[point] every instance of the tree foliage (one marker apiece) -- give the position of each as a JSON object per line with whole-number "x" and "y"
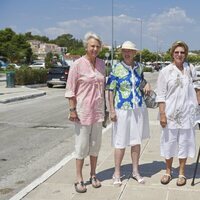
{"x": 48, "y": 60}
{"x": 14, "y": 46}
{"x": 29, "y": 36}
{"x": 72, "y": 44}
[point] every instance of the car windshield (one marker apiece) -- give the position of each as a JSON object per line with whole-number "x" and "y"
{"x": 38, "y": 63}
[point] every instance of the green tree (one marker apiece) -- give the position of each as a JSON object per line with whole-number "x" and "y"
{"x": 48, "y": 60}
{"x": 148, "y": 56}
{"x": 14, "y": 46}
{"x": 29, "y": 36}
{"x": 103, "y": 52}
{"x": 73, "y": 45}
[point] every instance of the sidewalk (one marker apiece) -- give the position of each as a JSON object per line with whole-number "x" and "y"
{"x": 17, "y": 93}
{"x": 60, "y": 185}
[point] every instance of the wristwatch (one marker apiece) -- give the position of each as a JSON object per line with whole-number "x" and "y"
{"x": 72, "y": 109}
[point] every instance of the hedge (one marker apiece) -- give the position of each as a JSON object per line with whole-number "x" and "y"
{"x": 27, "y": 76}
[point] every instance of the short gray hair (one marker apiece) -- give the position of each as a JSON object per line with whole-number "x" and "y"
{"x": 90, "y": 35}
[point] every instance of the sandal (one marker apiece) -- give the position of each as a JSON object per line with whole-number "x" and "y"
{"x": 117, "y": 181}
{"x": 95, "y": 182}
{"x": 181, "y": 180}
{"x": 138, "y": 178}
{"x": 80, "y": 187}
{"x": 166, "y": 178}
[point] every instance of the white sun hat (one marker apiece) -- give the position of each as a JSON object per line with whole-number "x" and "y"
{"x": 129, "y": 45}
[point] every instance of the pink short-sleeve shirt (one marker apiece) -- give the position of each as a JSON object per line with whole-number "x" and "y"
{"x": 87, "y": 86}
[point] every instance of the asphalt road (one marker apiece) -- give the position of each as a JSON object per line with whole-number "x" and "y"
{"x": 35, "y": 135}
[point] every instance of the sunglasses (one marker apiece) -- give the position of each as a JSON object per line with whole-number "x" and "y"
{"x": 179, "y": 52}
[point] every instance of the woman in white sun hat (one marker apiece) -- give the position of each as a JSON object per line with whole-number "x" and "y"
{"x": 128, "y": 111}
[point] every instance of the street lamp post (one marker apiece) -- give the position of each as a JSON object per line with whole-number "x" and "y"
{"x": 140, "y": 40}
{"x": 112, "y": 36}
{"x": 140, "y": 20}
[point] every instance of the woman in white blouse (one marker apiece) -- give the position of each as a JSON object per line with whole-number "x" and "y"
{"x": 178, "y": 108}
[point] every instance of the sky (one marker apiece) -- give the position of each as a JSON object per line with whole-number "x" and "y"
{"x": 150, "y": 24}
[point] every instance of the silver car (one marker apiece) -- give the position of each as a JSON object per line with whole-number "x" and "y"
{"x": 37, "y": 65}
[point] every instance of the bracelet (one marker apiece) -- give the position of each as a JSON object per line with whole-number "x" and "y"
{"x": 72, "y": 109}
{"x": 162, "y": 113}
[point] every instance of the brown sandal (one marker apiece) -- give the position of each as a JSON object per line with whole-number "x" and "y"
{"x": 166, "y": 178}
{"x": 80, "y": 187}
{"x": 181, "y": 180}
{"x": 95, "y": 182}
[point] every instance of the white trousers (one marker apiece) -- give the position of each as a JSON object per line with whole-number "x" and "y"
{"x": 87, "y": 140}
{"x": 177, "y": 143}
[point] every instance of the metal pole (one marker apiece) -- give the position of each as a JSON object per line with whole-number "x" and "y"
{"x": 140, "y": 20}
{"x": 112, "y": 36}
{"x": 140, "y": 40}
{"x": 196, "y": 166}
{"x": 157, "y": 51}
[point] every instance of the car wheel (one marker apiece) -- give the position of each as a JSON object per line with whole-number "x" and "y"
{"x": 49, "y": 85}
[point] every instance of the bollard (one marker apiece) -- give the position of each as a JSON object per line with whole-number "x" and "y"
{"x": 10, "y": 79}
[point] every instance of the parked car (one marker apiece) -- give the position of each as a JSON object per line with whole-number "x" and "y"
{"x": 14, "y": 65}
{"x": 3, "y": 64}
{"x": 57, "y": 76}
{"x": 197, "y": 70}
{"x": 37, "y": 65}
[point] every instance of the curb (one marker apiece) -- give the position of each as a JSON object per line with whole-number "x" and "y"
{"x": 22, "y": 97}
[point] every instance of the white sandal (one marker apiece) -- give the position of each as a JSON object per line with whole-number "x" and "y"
{"x": 138, "y": 178}
{"x": 117, "y": 180}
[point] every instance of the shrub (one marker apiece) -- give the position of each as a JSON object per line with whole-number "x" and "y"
{"x": 26, "y": 76}
{"x": 147, "y": 69}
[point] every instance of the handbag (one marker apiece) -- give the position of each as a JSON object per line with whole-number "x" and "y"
{"x": 150, "y": 98}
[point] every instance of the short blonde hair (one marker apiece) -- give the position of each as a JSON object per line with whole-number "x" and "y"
{"x": 179, "y": 44}
{"x": 90, "y": 35}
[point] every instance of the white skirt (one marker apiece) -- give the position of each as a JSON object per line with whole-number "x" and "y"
{"x": 131, "y": 128}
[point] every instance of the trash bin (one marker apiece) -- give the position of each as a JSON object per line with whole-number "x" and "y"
{"x": 10, "y": 79}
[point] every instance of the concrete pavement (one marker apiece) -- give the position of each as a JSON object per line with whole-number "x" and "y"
{"x": 60, "y": 185}
{"x": 57, "y": 184}
{"x": 17, "y": 93}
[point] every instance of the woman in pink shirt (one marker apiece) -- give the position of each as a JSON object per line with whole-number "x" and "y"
{"x": 85, "y": 91}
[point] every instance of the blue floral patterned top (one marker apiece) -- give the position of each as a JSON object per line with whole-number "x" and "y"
{"x": 125, "y": 81}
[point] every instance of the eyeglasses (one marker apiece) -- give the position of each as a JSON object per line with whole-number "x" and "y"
{"x": 179, "y": 52}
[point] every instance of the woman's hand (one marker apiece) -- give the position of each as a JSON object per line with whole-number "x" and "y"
{"x": 147, "y": 88}
{"x": 163, "y": 120}
{"x": 73, "y": 116}
{"x": 113, "y": 116}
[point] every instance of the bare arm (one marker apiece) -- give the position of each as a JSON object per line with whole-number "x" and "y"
{"x": 113, "y": 116}
{"x": 72, "y": 106}
{"x": 163, "y": 118}
{"x": 198, "y": 95}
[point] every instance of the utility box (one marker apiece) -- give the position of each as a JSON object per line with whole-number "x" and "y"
{"x": 10, "y": 79}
